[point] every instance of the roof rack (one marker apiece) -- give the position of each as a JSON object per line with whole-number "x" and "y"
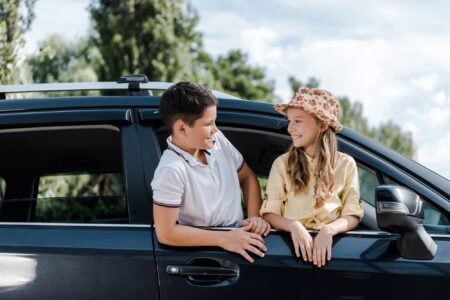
{"x": 136, "y": 84}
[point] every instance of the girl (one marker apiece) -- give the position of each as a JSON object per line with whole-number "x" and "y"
{"x": 312, "y": 186}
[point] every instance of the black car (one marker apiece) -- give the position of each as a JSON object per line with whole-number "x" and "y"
{"x": 76, "y": 208}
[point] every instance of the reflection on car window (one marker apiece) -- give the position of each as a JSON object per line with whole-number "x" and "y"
{"x": 2, "y": 188}
{"x": 93, "y": 198}
{"x": 368, "y": 181}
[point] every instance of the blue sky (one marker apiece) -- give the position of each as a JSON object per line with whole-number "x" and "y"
{"x": 393, "y": 56}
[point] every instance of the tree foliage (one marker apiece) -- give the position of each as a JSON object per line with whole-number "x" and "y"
{"x": 59, "y": 60}
{"x": 389, "y": 134}
{"x": 236, "y": 76}
{"x": 154, "y": 37}
{"x": 15, "y": 19}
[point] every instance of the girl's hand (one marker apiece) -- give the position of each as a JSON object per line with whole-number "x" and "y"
{"x": 242, "y": 242}
{"x": 322, "y": 246}
{"x": 256, "y": 225}
{"x": 302, "y": 240}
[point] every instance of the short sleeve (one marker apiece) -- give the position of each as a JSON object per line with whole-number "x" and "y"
{"x": 276, "y": 195}
{"x": 168, "y": 186}
{"x": 351, "y": 205}
{"x": 230, "y": 151}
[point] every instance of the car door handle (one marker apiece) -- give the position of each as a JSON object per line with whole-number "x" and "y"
{"x": 201, "y": 271}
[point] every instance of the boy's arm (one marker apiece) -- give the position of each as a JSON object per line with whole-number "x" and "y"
{"x": 170, "y": 233}
{"x": 252, "y": 197}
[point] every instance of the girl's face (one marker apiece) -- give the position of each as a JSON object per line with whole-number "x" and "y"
{"x": 304, "y": 129}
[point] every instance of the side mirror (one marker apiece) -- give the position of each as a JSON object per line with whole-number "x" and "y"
{"x": 399, "y": 210}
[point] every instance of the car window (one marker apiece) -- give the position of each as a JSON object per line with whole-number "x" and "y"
{"x": 2, "y": 188}
{"x": 96, "y": 198}
{"x": 63, "y": 174}
{"x": 368, "y": 181}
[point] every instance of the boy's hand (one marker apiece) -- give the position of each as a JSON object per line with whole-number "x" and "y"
{"x": 240, "y": 241}
{"x": 256, "y": 225}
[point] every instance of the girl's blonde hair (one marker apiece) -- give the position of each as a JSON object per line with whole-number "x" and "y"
{"x": 324, "y": 174}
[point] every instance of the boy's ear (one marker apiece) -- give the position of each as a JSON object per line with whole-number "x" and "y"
{"x": 179, "y": 127}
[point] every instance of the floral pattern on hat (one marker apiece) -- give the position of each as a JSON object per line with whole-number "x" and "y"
{"x": 318, "y": 102}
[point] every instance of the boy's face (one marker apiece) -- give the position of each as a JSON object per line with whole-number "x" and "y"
{"x": 200, "y": 135}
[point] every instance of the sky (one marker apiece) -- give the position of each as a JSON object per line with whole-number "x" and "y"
{"x": 392, "y": 56}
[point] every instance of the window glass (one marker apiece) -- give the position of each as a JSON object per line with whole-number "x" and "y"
{"x": 81, "y": 197}
{"x": 368, "y": 181}
{"x": 2, "y": 188}
{"x": 63, "y": 174}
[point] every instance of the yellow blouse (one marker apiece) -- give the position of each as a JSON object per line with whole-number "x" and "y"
{"x": 281, "y": 198}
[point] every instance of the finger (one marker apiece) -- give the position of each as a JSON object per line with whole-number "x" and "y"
{"x": 309, "y": 251}
{"x": 296, "y": 248}
{"x": 245, "y": 222}
{"x": 323, "y": 258}
{"x": 267, "y": 230}
{"x": 254, "y": 250}
{"x": 247, "y": 227}
{"x": 304, "y": 254}
{"x": 256, "y": 237}
{"x": 246, "y": 256}
{"x": 314, "y": 256}
{"x": 329, "y": 253}
{"x": 259, "y": 226}
{"x": 258, "y": 244}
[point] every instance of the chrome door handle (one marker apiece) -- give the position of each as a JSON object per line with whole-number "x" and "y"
{"x": 201, "y": 271}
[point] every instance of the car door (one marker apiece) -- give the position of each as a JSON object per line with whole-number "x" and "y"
{"x": 365, "y": 265}
{"x": 82, "y": 245}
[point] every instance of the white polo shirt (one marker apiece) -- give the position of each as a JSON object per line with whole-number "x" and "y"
{"x": 207, "y": 194}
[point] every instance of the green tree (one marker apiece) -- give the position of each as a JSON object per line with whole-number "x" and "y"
{"x": 236, "y": 76}
{"x": 389, "y": 134}
{"x": 154, "y": 37}
{"x": 15, "y": 19}
{"x": 296, "y": 84}
{"x": 59, "y": 60}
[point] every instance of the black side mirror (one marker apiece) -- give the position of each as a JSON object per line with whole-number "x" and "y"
{"x": 399, "y": 210}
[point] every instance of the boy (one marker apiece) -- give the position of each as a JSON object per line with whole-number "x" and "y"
{"x": 198, "y": 177}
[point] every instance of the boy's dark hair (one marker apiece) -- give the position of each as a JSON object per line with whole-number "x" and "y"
{"x": 186, "y": 101}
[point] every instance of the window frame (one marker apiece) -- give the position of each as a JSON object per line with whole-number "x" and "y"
{"x": 120, "y": 118}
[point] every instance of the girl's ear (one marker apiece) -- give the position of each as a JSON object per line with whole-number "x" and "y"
{"x": 323, "y": 127}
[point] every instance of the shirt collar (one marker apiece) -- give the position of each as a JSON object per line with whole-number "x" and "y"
{"x": 189, "y": 158}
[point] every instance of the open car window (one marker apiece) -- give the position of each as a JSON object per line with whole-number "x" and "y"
{"x": 63, "y": 174}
